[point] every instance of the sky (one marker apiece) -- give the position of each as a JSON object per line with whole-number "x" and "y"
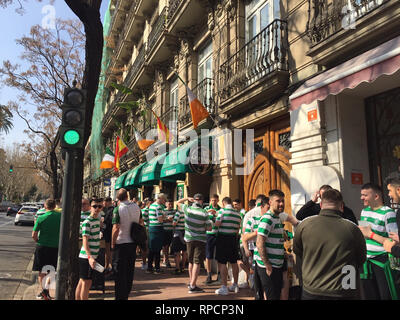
{"x": 13, "y": 26}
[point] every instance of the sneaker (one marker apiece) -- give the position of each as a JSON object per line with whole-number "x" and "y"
{"x": 243, "y": 285}
{"x": 234, "y": 288}
{"x": 168, "y": 264}
{"x": 44, "y": 295}
{"x": 223, "y": 291}
{"x": 149, "y": 271}
{"x": 158, "y": 271}
{"x": 177, "y": 272}
{"x": 209, "y": 280}
{"x": 195, "y": 289}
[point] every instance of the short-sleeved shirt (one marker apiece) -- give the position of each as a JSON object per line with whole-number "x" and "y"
{"x": 91, "y": 229}
{"x": 155, "y": 211}
{"x": 271, "y": 227}
{"x": 214, "y": 230}
{"x": 145, "y": 216}
{"x": 196, "y": 221}
{"x": 84, "y": 216}
{"x": 382, "y": 221}
{"x": 168, "y": 224}
{"x": 230, "y": 221}
{"x": 179, "y": 218}
{"x": 252, "y": 226}
{"x": 48, "y": 226}
{"x": 124, "y": 214}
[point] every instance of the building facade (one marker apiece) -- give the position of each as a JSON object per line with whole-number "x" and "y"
{"x": 279, "y": 68}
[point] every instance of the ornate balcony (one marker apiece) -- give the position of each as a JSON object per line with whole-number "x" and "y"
{"x": 136, "y": 66}
{"x": 204, "y": 92}
{"x": 341, "y": 29}
{"x": 260, "y": 67}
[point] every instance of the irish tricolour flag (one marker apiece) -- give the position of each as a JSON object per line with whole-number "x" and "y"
{"x": 108, "y": 160}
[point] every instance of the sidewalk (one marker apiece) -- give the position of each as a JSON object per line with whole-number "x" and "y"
{"x": 165, "y": 286}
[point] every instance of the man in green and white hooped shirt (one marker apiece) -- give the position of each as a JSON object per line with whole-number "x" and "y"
{"x": 244, "y": 260}
{"x": 169, "y": 214}
{"x": 382, "y": 220}
{"x": 228, "y": 223}
{"x": 197, "y": 221}
{"x": 156, "y": 233}
{"x": 269, "y": 251}
{"x": 178, "y": 246}
{"x": 212, "y": 209}
{"x": 85, "y": 213}
{"x": 90, "y": 249}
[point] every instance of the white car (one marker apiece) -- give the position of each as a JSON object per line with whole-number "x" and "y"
{"x": 25, "y": 215}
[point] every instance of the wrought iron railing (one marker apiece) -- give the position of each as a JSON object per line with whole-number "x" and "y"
{"x": 325, "y": 18}
{"x": 204, "y": 92}
{"x": 137, "y": 64}
{"x": 170, "y": 118}
{"x": 173, "y": 6}
{"x": 157, "y": 30}
{"x": 112, "y": 108}
{"x": 262, "y": 55}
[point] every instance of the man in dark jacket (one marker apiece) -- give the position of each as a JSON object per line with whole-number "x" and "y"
{"x": 312, "y": 208}
{"x": 107, "y": 230}
{"x": 332, "y": 250}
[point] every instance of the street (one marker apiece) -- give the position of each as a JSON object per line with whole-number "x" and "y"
{"x": 17, "y": 248}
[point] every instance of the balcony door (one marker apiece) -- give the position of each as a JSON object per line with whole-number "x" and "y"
{"x": 171, "y": 116}
{"x": 204, "y": 79}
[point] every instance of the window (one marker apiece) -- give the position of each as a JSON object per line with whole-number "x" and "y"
{"x": 204, "y": 80}
{"x": 173, "y": 105}
{"x": 259, "y": 14}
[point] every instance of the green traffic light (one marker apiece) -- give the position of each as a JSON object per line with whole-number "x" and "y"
{"x": 71, "y": 137}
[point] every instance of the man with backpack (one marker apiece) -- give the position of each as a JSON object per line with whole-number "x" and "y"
{"x": 122, "y": 245}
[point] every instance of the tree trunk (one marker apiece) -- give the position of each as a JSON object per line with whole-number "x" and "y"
{"x": 88, "y": 11}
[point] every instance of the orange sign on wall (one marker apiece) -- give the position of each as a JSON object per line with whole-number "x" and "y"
{"x": 356, "y": 178}
{"x": 312, "y": 115}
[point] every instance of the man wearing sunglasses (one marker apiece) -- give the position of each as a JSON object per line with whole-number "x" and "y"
{"x": 90, "y": 249}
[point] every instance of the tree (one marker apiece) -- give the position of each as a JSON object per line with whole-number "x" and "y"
{"x": 53, "y": 59}
{"x": 88, "y": 12}
{"x": 5, "y": 119}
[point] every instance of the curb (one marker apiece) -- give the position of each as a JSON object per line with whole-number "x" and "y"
{"x": 27, "y": 283}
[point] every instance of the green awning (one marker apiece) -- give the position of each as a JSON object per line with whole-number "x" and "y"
{"x": 177, "y": 162}
{"x": 150, "y": 173}
{"x": 132, "y": 179}
{"x": 120, "y": 181}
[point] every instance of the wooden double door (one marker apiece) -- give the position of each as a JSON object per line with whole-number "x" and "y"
{"x": 271, "y": 163}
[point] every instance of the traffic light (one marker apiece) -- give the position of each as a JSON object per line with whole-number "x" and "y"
{"x": 11, "y": 169}
{"x": 73, "y": 119}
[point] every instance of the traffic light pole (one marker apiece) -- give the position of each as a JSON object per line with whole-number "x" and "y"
{"x": 63, "y": 246}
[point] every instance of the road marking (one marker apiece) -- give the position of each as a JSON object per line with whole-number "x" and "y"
{"x": 5, "y": 275}
{"x": 7, "y": 223}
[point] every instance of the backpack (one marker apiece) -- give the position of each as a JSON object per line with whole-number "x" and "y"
{"x": 138, "y": 234}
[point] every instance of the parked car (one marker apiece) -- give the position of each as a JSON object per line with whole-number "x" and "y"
{"x": 13, "y": 210}
{"x": 25, "y": 215}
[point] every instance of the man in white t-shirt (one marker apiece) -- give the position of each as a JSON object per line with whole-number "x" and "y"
{"x": 122, "y": 245}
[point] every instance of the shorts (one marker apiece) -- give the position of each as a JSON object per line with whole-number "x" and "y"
{"x": 178, "y": 245}
{"x": 196, "y": 251}
{"x": 210, "y": 246}
{"x": 168, "y": 234}
{"x": 85, "y": 271}
{"x": 45, "y": 256}
{"x": 227, "y": 249}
